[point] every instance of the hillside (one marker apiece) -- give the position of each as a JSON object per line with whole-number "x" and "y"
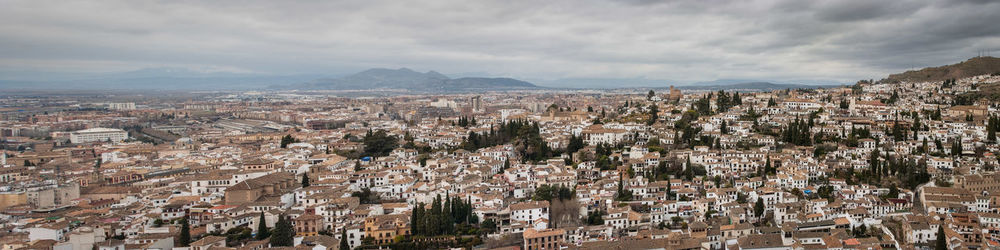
{"x": 972, "y": 67}
{"x": 404, "y": 78}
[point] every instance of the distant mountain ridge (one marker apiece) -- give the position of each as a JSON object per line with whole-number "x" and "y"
{"x": 605, "y": 83}
{"x": 404, "y": 78}
{"x": 973, "y": 67}
{"x": 765, "y": 86}
{"x": 150, "y": 79}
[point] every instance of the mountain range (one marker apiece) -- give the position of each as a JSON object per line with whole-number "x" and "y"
{"x": 430, "y": 81}
{"x": 763, "y": 86}
{"x": 145, "y": 79}
{"x": 408, "y": 79}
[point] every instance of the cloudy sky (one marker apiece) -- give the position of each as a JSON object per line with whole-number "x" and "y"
{"x": 678, "y": 40}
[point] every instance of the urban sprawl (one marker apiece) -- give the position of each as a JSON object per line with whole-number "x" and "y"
{"x": 874, "y": 165}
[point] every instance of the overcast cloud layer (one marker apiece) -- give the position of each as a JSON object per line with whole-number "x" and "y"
{"x": 681, "y": 40}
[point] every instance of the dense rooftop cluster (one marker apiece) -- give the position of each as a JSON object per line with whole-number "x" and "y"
{"x": 876, "y": 165}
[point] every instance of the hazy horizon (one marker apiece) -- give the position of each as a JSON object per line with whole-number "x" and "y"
{"x": 544, "y": 43}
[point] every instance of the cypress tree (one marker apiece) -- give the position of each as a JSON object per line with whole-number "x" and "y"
{"x": 653, "y": 114}
{"x": 185, "y": 237}
{"x": 305, "y": 180}
{"x": 343, "y": 240}
{"x": 669, "y": 197}
{"x": 447, "y": 222}
{"x": 897, "y": 132}
{"x": 991, "y": 132}
{"x": 758, "y": 208}
{"x": 415, "y": 219}
{"x": 767, "y": 166}
{"x": 689, "y": 170}
{"x": 470, "y": 217}
{"x": 956, "y": 147}
{"x": 434, "y": 219}
{"x": 284, "y": 234}
{"x": 873, "y": 164}
{"x": 942, "y": 242}
{"x": 262, "y": 231}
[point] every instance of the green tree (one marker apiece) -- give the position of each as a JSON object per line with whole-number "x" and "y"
{"x": 649, "y": 96}
{"x": 622, "y": 195}
{"x": 892, "y": 99}
{"x": 991, "y": 135}
{"x": 575, "y": 144}
{"x": 343, "y": 240}
{"x": 284, "y": 234}
{"x": 992, "y": 125}
{"x": 860, "y": 231}
{"x": 874, "y": 165}
{"x": 797, "y": 132}
{"x": 893, "y": 192}
{"x": 305, "y": 180}
{"x": 897, "y": 132}
{"x": 543, "y": 192}
{"x": 379, "y": 143}
{"x": 758, "y": 208}
{"x": 488, "y": 226}
{"x": 185, "y": 238}
{"x": 262, "y": 231}
{"x": 416, "y": 219}
{"x": 710, "y": 213}
{"x": 447, "y": 221}
{"x": 768, "y": 169}
{"x": 688, "y": 170}
{"x": 367, "y": 196}
{"x": 653, "y": 114}
{"x": 596, "y": 218}
{"x": 941, "y": 243}
{"x": 287, "y": 139}
{"x": 956, "y": 147}
{"x": 433, "y": 223}
{"x": 724, "y": 102}
{"x": 524, "y": 135}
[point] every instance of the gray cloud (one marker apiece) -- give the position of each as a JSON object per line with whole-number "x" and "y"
{"x": 683, "y": 40}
